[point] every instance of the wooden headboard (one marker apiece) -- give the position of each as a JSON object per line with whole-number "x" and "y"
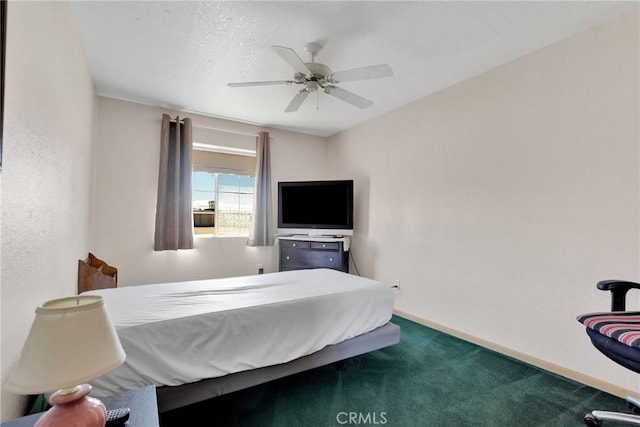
{"x": 94, "y": 273}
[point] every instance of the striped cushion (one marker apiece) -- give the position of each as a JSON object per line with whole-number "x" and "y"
{"x": 623, "y": 326}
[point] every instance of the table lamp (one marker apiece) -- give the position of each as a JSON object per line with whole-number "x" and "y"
{"x": 71, "y": 341}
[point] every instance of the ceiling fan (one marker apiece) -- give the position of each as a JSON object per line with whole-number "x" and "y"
{"x": 315, "y": 76}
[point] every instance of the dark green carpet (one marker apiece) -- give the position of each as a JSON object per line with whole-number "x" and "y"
{"x": 428, "y": 379}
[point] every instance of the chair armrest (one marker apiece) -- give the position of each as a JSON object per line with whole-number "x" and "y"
{"x": 619, "y": 289}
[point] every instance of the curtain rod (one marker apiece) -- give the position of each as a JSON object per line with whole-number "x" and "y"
{"x": 219, "y": 129}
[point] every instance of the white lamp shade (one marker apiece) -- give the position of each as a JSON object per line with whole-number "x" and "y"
{"x": 71, "y": 341}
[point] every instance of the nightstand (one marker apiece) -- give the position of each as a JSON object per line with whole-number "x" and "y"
{"x": 142, "y": 402}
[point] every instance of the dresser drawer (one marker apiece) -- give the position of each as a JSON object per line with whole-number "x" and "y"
{"x": 325, "y": 245}
{"x": 310, "y": 259}
{"x": 296, "y": 244}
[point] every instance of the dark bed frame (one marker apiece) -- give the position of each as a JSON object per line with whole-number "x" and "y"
{"x": 172, "y": 397}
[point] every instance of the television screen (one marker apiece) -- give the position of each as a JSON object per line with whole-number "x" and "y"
{"x": 315, "y": 207}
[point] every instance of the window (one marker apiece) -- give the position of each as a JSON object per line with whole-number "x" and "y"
{"x": 223, "y": 192}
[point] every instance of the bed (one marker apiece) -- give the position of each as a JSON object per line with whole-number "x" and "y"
{"x": 200, "y": 339}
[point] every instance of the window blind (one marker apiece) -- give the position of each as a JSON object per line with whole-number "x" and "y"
{"x": 209, "y": 161}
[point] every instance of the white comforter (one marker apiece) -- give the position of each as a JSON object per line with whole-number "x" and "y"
{"x": 177, "y": 333}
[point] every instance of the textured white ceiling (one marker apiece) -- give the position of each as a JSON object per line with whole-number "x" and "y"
{"x": 180, "y": 55}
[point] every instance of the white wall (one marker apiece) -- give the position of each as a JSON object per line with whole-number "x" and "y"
{"x": 128, "y": 147}
{"x": 501, "y": 201}
{"x": 46, "y": 172}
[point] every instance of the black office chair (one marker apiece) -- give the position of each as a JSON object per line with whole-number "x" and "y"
{"x": 617, "y": 335}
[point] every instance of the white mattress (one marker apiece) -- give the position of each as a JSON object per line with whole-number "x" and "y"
{"x": 177, "y": 333}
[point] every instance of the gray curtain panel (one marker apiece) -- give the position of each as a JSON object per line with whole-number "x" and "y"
{"x": 262, "y": 222}
{"x": 174, "y": 217}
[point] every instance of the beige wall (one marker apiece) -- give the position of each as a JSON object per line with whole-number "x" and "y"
{"x": 128, "y": 139}
{"x": 46, "y": 171}
{"x": 501, "y": 201}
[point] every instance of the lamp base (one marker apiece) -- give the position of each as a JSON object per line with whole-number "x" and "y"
{"x": 73, "y": 408}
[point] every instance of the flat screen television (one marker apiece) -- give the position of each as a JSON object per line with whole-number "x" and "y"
{"x": 315, "y": 208}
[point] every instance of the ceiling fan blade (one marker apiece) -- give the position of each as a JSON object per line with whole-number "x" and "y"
{"x": 292, "y": 58}
{"x": 347, "y": 96}
{"x": 297, "y": 101}
{"x": 362, "y": 73}
{"x": 274, "y": 82}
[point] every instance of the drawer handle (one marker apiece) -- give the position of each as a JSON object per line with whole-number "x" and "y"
{"x": 324, "y": 245}
{"x": 330, "y": 259}
{"x": 294, "y": 245}
{"x": 287, "y": 256}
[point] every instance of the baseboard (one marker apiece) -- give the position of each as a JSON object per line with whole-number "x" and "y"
{"x": 543, "y": 364}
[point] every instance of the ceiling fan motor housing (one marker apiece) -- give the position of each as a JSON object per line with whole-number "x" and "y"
{"x": 319, "y": 73}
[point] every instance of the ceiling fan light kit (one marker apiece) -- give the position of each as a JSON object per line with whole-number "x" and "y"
{"x": 314, "y": 76}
